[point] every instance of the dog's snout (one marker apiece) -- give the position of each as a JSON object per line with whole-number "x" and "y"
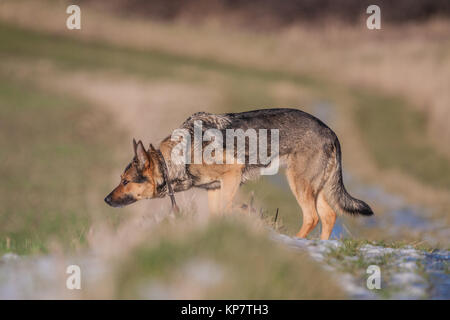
{"x": 108, "y": 199}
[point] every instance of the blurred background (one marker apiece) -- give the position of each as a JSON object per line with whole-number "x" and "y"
{"x": 72, "y": 100}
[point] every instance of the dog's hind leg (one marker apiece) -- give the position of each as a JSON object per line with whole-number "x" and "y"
{"x": 306, "y": 198}
{"x": 327, "y": 216}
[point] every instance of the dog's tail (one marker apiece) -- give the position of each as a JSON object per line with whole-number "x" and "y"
{"x": 336, "y": 194}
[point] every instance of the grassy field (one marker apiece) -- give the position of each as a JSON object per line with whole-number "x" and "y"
{"x": 60, "y": 157}
{"x": 379, "y": 117}
{"x": 60, "y": 150}
{"x": 53, "y": 154}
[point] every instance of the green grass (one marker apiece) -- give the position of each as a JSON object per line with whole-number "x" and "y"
{"x": 53, "y": 147}
{"x": 250, "y": 266}
{"x": 275, "y": 197}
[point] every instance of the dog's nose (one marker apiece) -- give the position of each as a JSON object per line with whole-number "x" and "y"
{"x": 108, "y": 199}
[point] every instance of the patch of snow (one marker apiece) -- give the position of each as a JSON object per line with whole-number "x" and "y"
{"x": 402, "y": 271}
{"x": 9, "y": 257}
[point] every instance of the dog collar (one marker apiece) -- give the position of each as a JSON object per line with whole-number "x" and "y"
{"x": 165, "y": 173}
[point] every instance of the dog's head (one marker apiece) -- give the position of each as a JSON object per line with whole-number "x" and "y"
{"x": 140, "y": 179}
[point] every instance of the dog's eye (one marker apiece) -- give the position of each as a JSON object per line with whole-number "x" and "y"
{"x": 125, "y": 182}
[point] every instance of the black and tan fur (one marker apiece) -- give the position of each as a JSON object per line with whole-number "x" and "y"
{"x": 308, "y": 149}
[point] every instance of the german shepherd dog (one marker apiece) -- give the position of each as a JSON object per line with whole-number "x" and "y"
{"x": 308, "y": 149}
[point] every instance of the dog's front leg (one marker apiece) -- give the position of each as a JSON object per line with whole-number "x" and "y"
{"x": 229, "y": 186}
{"x": 214, "y": 201}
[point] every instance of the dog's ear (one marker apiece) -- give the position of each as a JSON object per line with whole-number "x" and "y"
{"x": 152, "y": 148}
{"x": 134, "y": 147}
{"x": 141, "y": 155}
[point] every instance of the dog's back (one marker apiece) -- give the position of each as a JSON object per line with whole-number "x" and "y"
{"x": 298, "y": 131}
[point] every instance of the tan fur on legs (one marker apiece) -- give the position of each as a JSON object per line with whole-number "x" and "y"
{"x": 327, "y": 217}
{"x": 230, "y": 183}
{"x": 310, "y": 218}
{"x": 214, "y": 201}
{"x": 306, "y": 200}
